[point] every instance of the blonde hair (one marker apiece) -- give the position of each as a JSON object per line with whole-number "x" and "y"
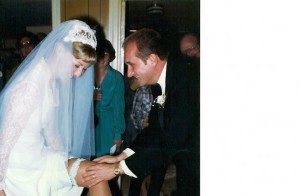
{"x": 85, "y": 52}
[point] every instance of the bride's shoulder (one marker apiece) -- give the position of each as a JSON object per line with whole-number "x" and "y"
{"x": 40, "y": 70}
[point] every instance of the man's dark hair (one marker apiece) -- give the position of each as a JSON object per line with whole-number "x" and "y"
{"x": 192, "y": 33}
{"x": 148, "y": 41}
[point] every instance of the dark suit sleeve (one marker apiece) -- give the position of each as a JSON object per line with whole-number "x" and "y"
{"x": 144, "y": 161}
{"x": 147, "y": 146}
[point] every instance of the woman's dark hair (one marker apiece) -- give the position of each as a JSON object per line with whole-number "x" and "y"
{"x": 105, "y": 46}
{"x": 95, "y": 25}
{"x": 32, "y": 38}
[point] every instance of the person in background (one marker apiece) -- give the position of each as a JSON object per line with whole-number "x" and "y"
{"x": 41, "y": 36}
{"x": 109, "y": 101}
{"x": 46, "y": 117}
{"x": 109, "y": 105}
{"x": 190, "y": 49}
{"x": 130, "y": 132}
{"x": 138, "y": 105}
{"x": 147, "y": 60}
{"x": 189, "y": 45}
{"x": 26, "y": 42}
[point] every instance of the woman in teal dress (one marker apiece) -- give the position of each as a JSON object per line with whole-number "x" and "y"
{"x": 109, "y": 101}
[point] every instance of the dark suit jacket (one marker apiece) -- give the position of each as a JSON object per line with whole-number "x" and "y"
{"x": 156, "y": 148}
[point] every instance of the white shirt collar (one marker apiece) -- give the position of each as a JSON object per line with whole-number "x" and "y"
{"x": 162, "y": 79}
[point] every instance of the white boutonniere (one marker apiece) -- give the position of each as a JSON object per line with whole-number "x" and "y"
{"x": 160, "y": 100}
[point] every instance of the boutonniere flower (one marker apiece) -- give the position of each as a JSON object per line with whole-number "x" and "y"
{"x": 160, "y": 100}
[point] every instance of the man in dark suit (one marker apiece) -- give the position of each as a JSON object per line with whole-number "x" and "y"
{"x": 177, "y": 139}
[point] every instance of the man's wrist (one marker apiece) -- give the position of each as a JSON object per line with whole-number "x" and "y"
{"x": 121, "y": 156}
{"x": 118, "y": 169}
{"x": 128, "y": 152}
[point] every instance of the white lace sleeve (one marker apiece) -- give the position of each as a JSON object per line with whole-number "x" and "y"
{"x": 18, "y": 109}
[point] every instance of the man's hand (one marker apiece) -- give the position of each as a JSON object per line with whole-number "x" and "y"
{"x": 145, "y": 122}
{"x": 118, "y": 142}
{"x": 97, "y": 173}
{"x": 111, "y": 159}
{"x": 107, "y": 159}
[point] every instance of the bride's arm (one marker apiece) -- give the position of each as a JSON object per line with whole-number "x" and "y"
{"x": 53, "y": 140}
{"x": 52, "y": 134}
{"x": 20, "y": 102}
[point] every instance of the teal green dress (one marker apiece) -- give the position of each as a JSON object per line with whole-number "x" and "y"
{"x": 109, "y": 112}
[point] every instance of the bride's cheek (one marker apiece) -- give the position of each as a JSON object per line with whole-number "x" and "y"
{"x": 74, "y": 68}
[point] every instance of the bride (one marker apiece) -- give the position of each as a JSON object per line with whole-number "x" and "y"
{"x": 46, "y": 117}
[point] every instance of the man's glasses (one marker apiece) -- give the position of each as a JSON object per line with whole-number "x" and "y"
{"x": 25, "y": 44}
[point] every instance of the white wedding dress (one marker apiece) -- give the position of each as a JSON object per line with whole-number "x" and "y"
{"x": 34, "y": 168}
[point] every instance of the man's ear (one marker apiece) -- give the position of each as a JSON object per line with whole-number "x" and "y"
{"x": 152, "y": 59}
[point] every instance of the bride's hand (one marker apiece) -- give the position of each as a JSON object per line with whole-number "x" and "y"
{"x": 2, "y": 193}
